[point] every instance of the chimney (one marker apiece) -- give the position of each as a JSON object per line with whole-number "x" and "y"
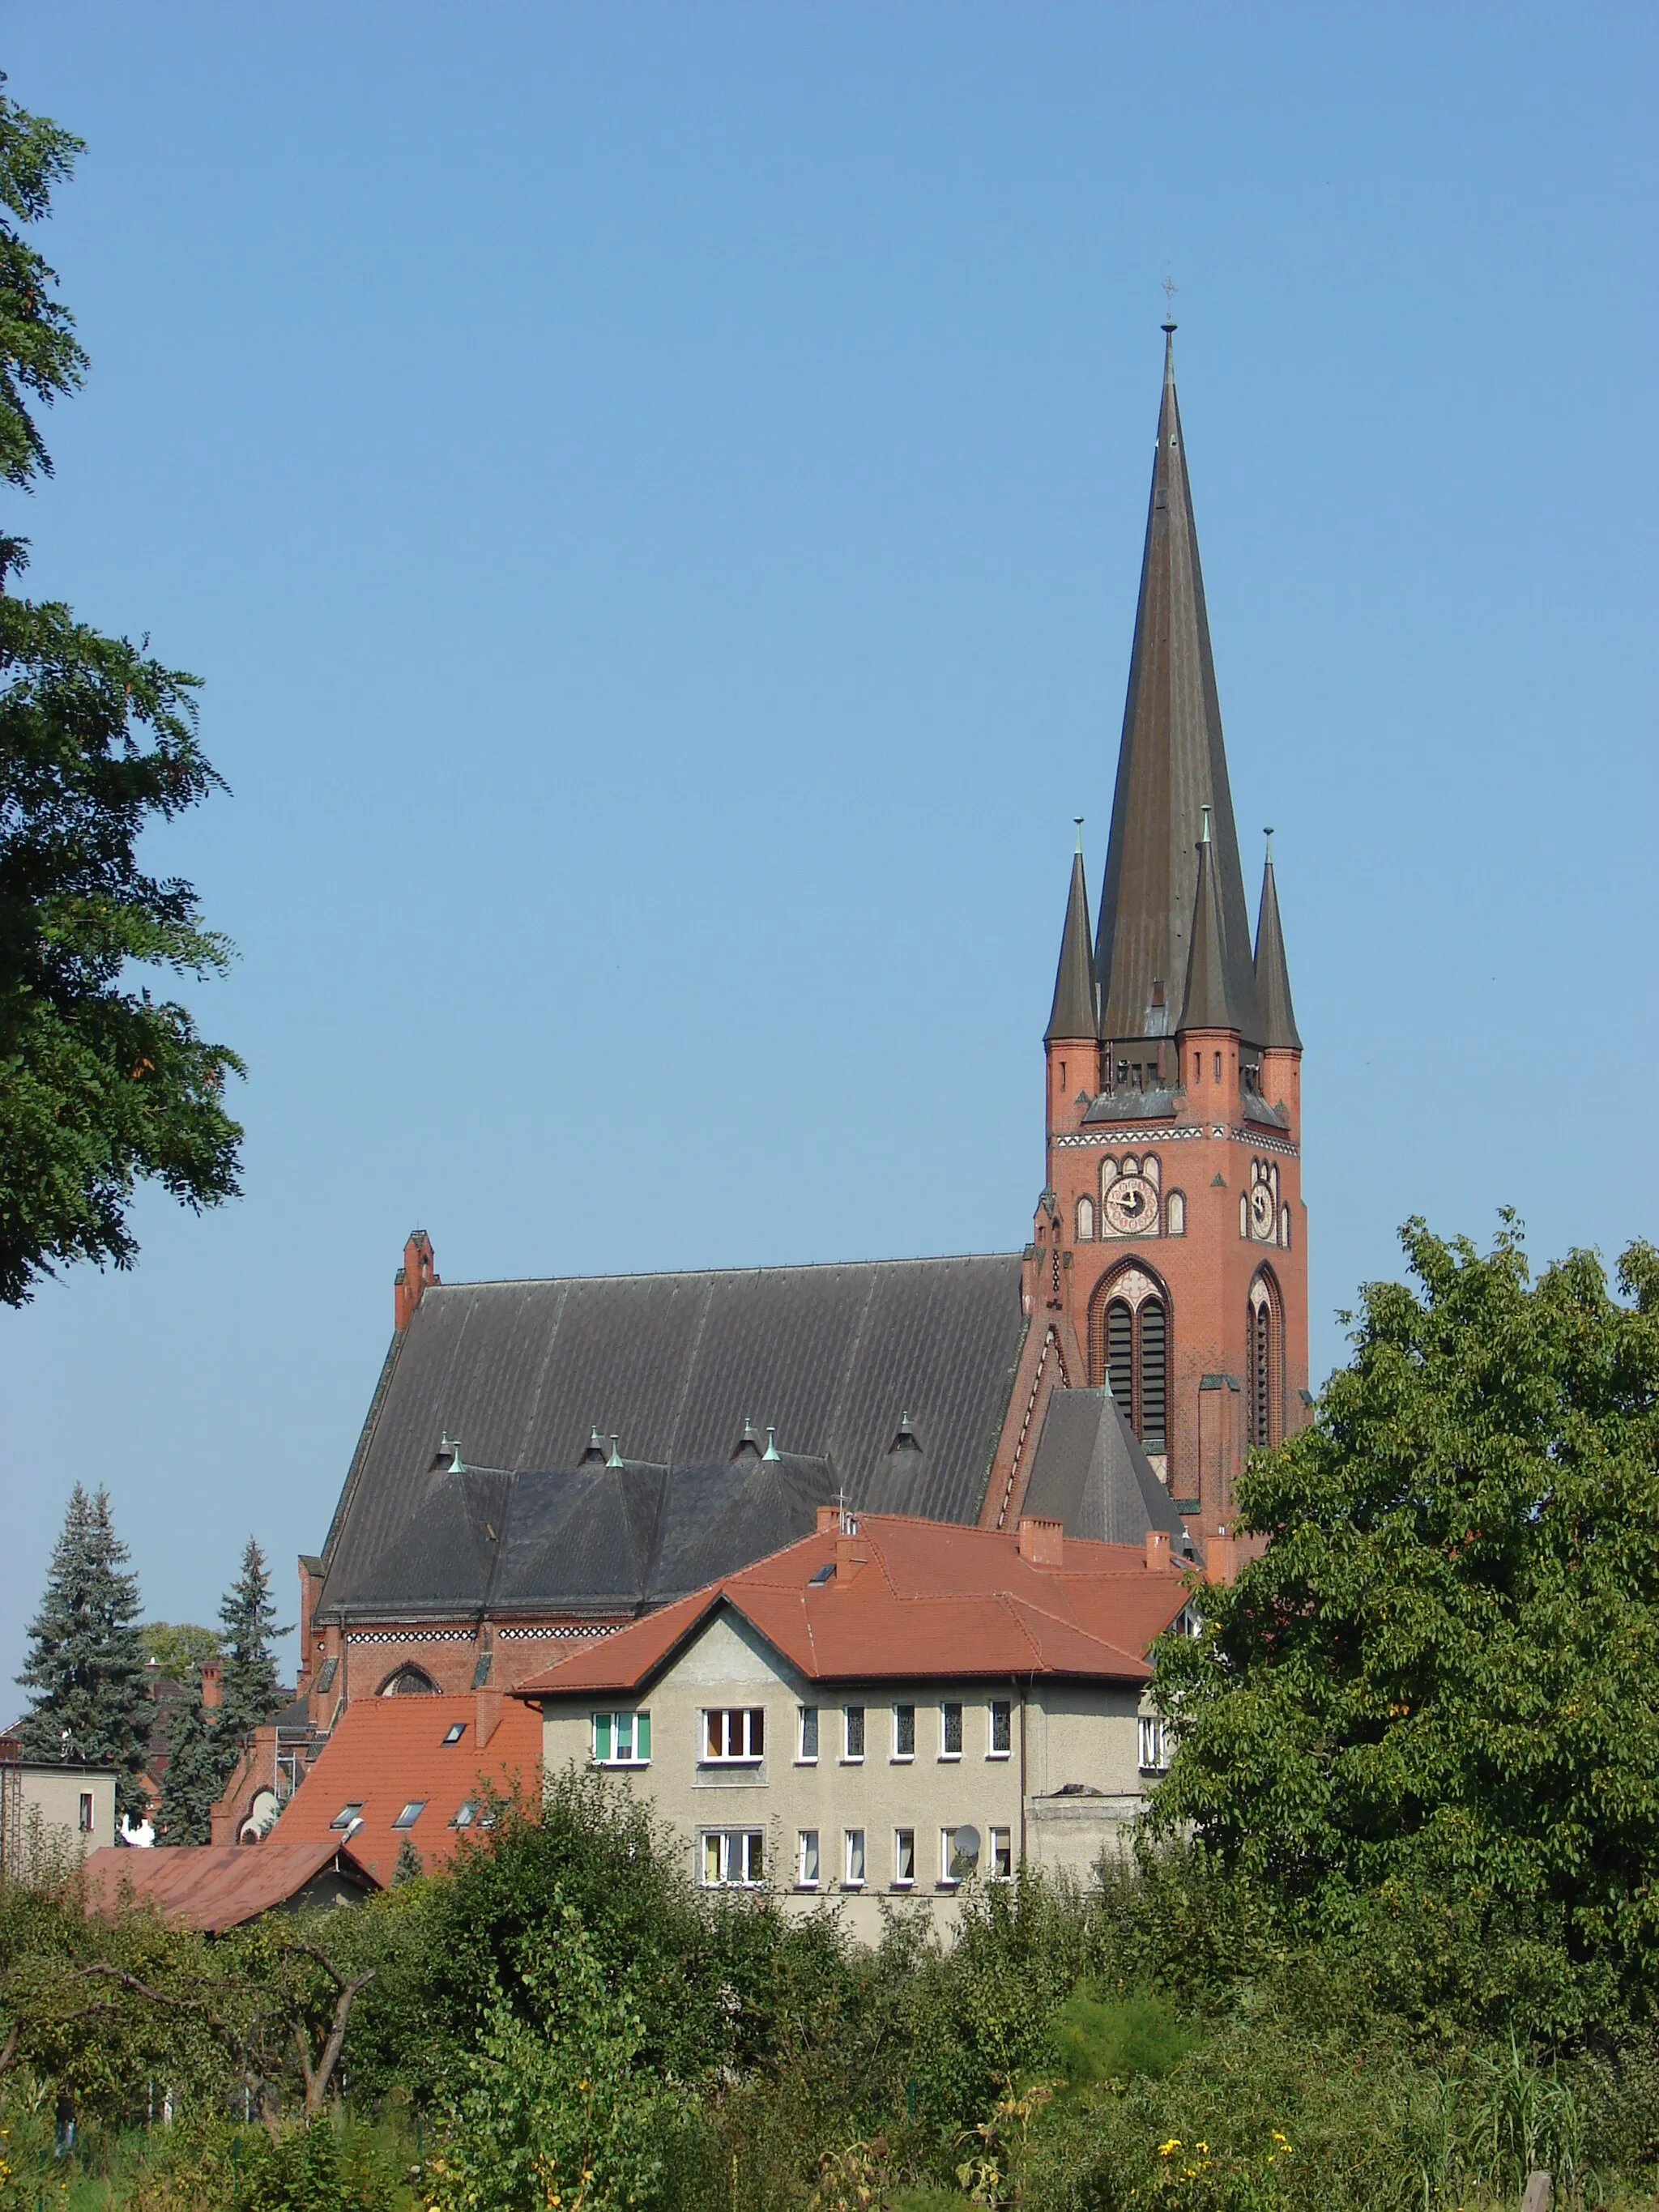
{"x": 212, "y": 1684}
{"x": 828, "y": 1520}
{"x": 1041, "y": 1543}
{"x": 409, "y": 1284}
{"x": 1220, "y": 1560}
{"x": 487, "y": 1710}
{"x": 1157, "y": 1548}
{"x": 852, "y": 1550}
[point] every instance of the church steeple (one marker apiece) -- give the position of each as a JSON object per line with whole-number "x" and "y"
{"x": 1205, "y": 1004}
{"x": 1074, "y": 1013}
{"x": 1172, "y": 764}
{"x": 1273, "y": 975}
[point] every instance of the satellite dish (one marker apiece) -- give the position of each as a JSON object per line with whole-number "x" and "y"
{"x": 965, "y": 1845}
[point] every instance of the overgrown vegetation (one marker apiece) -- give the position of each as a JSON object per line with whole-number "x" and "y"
{"x": 565, "y": 2021}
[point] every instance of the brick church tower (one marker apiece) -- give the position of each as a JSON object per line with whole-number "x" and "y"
{"x": 1169, "y": 1250}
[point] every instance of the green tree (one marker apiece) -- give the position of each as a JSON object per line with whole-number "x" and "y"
{"x": 102, "y": 1084}
{"x": 1434, "y": 1702}
{"x": 175, "y": 1649}
{"x": 195, "y": 1775}
{"x": 553, "y": 2107}
{"x": 86, "y": 1659}
{"x": 249, "y": 1695}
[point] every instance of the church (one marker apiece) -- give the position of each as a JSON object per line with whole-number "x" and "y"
{"x": 542, "y": 1461}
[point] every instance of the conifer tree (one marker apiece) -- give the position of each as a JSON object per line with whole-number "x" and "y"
{"x": 195, "y": 1775}
{"x": 86, "y": 1659}
{"x": 249, "y": 1697}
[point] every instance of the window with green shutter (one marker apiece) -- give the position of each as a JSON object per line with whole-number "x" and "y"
{"x": 622, "y": 1739}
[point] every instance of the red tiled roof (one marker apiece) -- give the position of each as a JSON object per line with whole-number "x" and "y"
{"x": 931, "y": 1599}
{"x": 215, "y": 1886}
{"x": 387, "y": 1752}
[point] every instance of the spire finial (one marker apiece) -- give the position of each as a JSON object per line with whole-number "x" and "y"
{"x": 1268, "y": 834}
{"x": 1205, "y": 837}
{"x": 1077, "y": 818}
{"x": 1169, "y": 288}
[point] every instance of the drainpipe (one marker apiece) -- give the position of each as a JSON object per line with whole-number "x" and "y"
{"x": 1021, "y": 1771}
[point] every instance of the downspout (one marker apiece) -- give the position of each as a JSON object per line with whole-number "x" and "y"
{"x": 1022, "y": 1770}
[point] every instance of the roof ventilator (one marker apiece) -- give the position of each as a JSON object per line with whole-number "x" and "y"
{"x": 906, "y": 1440}
{"x": 615, "y": 1457}
{"x": 771, "y": 1452}
{"x": 594, "y": 1455}
{"x": 747, "y": 1444}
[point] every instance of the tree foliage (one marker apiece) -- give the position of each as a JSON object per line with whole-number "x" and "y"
{"x": 86, "y": 1659}
{"x": 102, "y": 1084}
{"x": 248, "y": 1691}
{"x": 552, "y": 2106}
{"x": 175, "y": 1648}
{"x": 1434, "y": 1702}
{"x": 194, "y": 1777}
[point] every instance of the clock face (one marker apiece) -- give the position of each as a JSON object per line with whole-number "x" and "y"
{"x": 1262, "y": 1214}
{"x": 1132, "y": 1205}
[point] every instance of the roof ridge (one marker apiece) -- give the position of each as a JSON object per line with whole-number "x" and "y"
{"x": 692, "y": 1274}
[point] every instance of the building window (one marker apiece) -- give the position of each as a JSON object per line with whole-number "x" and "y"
{"x": 1129, "y": 1349}
{"x": 904, "y": 1731}
{"x": 1154, "y": 1745}
{"x": 806, "y": 1754}
{"x": 465, "y": 1812}
{"x": 622, "y": 1739}
{"x": 1285, "y": 1228}
{"x": 1266, "y": 1395}
{"x": 409, "y": 1681}
{"x": 806, "y": 1859}
{"x": 86, "y": 1812}
{"x": 1085, "y": 1221}
{"x": 1001, "y": 1856}
{"x": 348, "y": 1815}
{"x": 904, "y": 1858}
{"x": 1001, "y": 1739}
{"x": 852, "y": 1863}
{"x": 410, "y": 1814}
{"x": 959, "y": 1855}
{"x": 852, "y": 1720}
{"x": 950, "y": 1731}
{"x": 1218, "y": 1067}
{"x": 734, "y": 1736}
{"x": 455, "y": 1731}
{"x": 733, "y": 1858}
{"x": 1175, "y": 1214}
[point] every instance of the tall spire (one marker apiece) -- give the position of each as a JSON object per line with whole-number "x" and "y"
{"x": 1073, "y": 1013}
{"x": 1171, "y": 765}
{"x": 1273, "y": 975}
{"x": 1206, "y": 1004}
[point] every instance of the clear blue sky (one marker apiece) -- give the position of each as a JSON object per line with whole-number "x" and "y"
{"x": 655, "y": 494}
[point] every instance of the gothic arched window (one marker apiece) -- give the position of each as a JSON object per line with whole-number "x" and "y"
{"x": 1085, "y": 1221}
{"x": 409, "y": 1681}
{"x": 1129, "y": 1351}
{"x": 1265, "y": 1355}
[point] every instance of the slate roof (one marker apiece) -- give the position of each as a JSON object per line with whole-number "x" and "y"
{"x": 212, "y": 1887}
{"x": 673, "y": 1365}
{"x": 1273, "y": 975}
{"x": 1074, "y": 1012}
{"x": 388, "y": 1753}
{"x": 1172, "y": 763}
{"x": 924, "y": 1601}
{"x": 1090, "y": 1472}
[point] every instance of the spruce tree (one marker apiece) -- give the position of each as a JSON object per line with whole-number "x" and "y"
{"x": 195, "y": 1774}
{"x": 86, "y": 1659}
{"x": 249, "y": 1697}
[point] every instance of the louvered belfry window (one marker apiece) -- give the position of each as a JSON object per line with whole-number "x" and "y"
{"x": 1136, "y": 1362}
{"x": 1264, "y": 1353}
